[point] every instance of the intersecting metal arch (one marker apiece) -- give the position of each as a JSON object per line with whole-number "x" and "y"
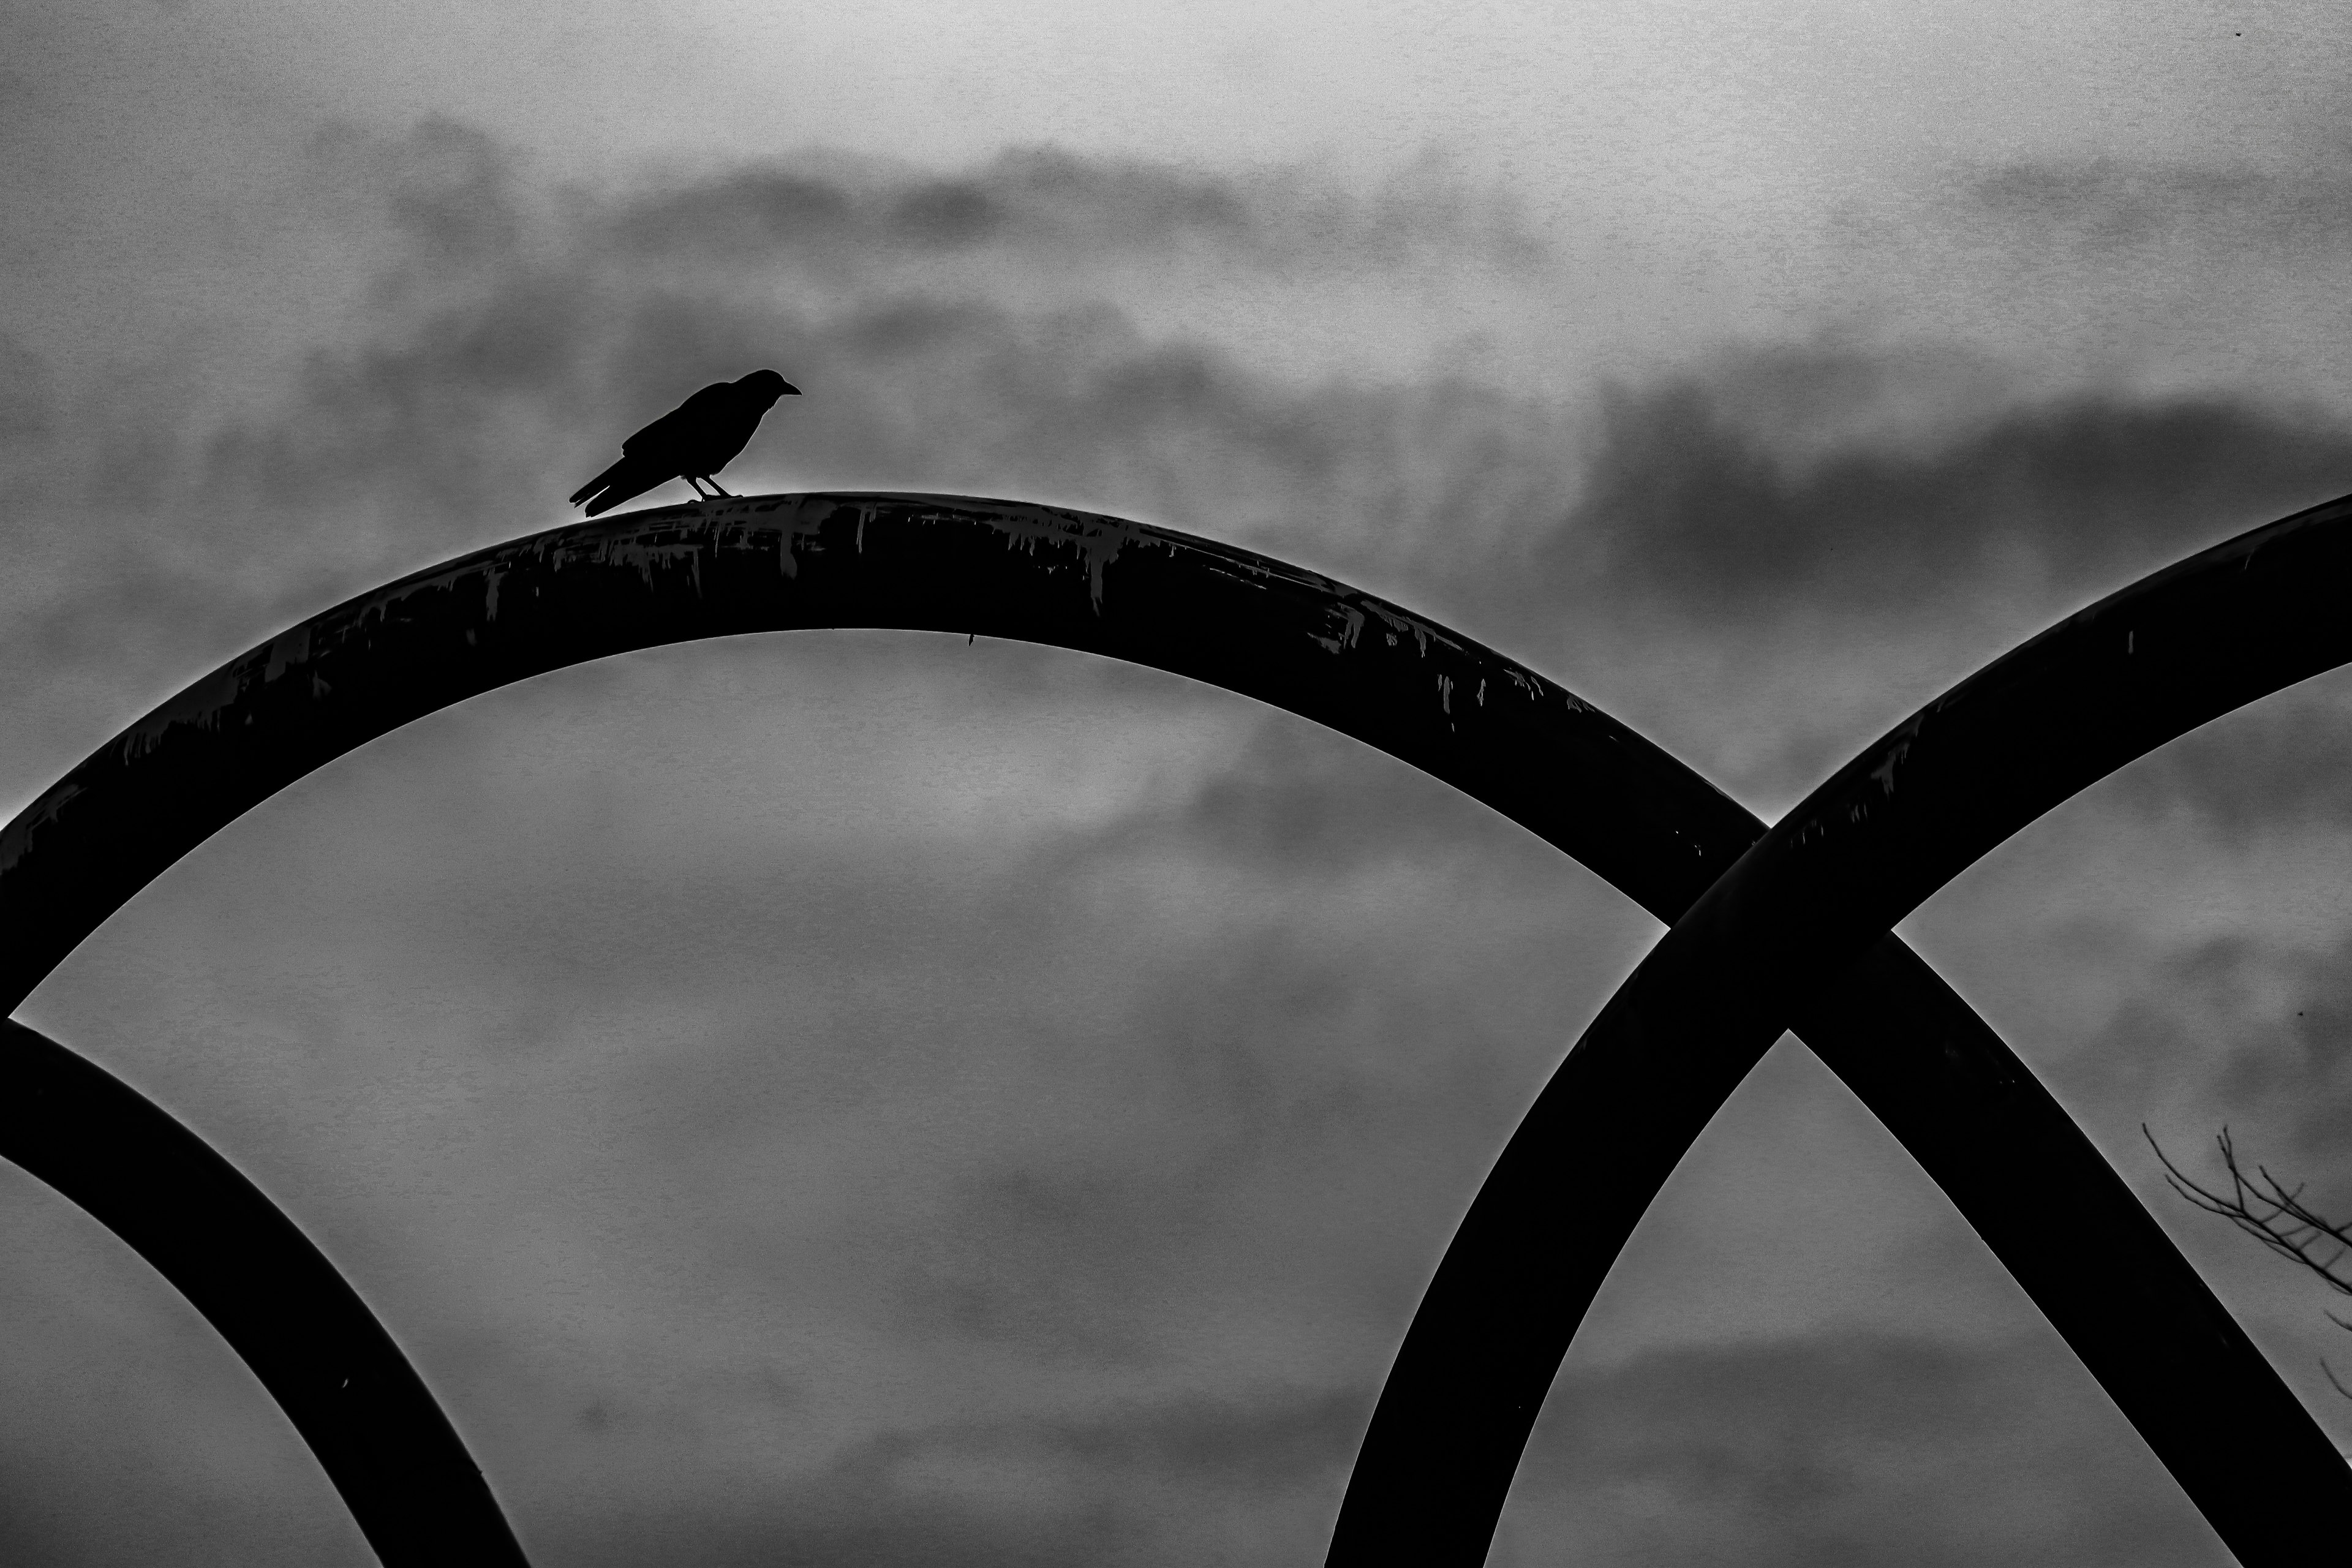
{"x": 341, "y": 1380}
{"x": 1940, "y": 1079}
{"x": 2108, "y": 685}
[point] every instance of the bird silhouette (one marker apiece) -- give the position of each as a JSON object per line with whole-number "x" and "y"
{"x": 692, "y": 442}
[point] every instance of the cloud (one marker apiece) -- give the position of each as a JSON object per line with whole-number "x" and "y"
{"x": 128, "y": 1431}
{"x": 508, "y": 325}
{"x": 28, "y": 411}
{"x": 1179, "y": 1479}
{"x": 508, "y": 334}
{"x": 780, "y": 1052}
{"x": 2269, "y": 1029}
{"x": 490, "y": 300}
{"x": 2274, "y": 767}
{"x": 1698, "y": 505}
{"x": 1047, "y": 205}
{"x": 2112, "y": 204}
{"x": 1296, "y": 800}
{"x": 1863, "y": 1449}
{"x": 2210, "y": 270}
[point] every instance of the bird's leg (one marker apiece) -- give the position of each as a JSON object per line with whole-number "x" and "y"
{"x": 696, "y": 488}
{"x": 714, "y": 485}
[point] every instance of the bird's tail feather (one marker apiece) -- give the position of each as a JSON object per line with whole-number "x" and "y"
{"x": 598, "y": 483}
{"x": 625, "y": 481}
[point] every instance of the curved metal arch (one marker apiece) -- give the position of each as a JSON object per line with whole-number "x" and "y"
{"x": 1753, "y": 955}
{"x": 274, "y": 1297}
{"x": 1947, "y": 1086}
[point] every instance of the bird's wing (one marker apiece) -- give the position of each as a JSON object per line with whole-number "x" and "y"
{"x": 728, "y": 428}
{"x": 680, "y": 422}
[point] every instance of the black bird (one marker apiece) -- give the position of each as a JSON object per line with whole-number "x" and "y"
{"x": 692, "y": 442}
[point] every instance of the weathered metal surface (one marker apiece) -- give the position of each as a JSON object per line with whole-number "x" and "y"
{"x": 1942, "y": 1081}
{"x": 1757, "y": 953}
{"x": 256, "y": 1278}
{"x": 999, "y": 569}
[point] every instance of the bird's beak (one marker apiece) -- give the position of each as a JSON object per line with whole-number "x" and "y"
{"x": 789, "y": 391}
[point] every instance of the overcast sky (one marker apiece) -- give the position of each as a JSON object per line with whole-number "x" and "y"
{"x": 860, "y": 1097}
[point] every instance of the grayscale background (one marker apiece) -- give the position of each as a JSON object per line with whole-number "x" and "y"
{"x": 858, "y": 1098}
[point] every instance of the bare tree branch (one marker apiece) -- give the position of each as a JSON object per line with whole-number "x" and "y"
{"x": 2275, "y": 1216}
{"x": 2269, "y": 1212}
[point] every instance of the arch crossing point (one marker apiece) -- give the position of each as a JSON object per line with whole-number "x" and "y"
{"x": 1941, "y": 1081}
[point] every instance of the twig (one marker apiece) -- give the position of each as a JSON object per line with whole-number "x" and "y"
{"x": 2277, "y": 1218}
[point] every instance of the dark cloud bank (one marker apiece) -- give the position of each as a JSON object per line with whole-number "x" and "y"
{"x": 1250, "y": 1119}
{"x": 1797, "y": 1451}
{"x": 988, "y": 332}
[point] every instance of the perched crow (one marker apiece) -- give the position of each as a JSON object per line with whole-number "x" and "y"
{"x": 692, "y": 442}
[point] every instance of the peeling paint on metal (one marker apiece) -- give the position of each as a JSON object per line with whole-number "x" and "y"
{"x": 1885, "y": 771}
{"x": 647, "y": 556}
{"x": 1249, "y": 576}
{"x": 1421, "y": 631}
{"x": 292, "y": 648}
{"x": 198, "y": 708}
{"x": 660, "y": 545}
{"x": 18, "y": 836}
{"x": 800, "y": 533}
{"x": 1354, "y": 620}
{"x": 1096, "y": 541}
